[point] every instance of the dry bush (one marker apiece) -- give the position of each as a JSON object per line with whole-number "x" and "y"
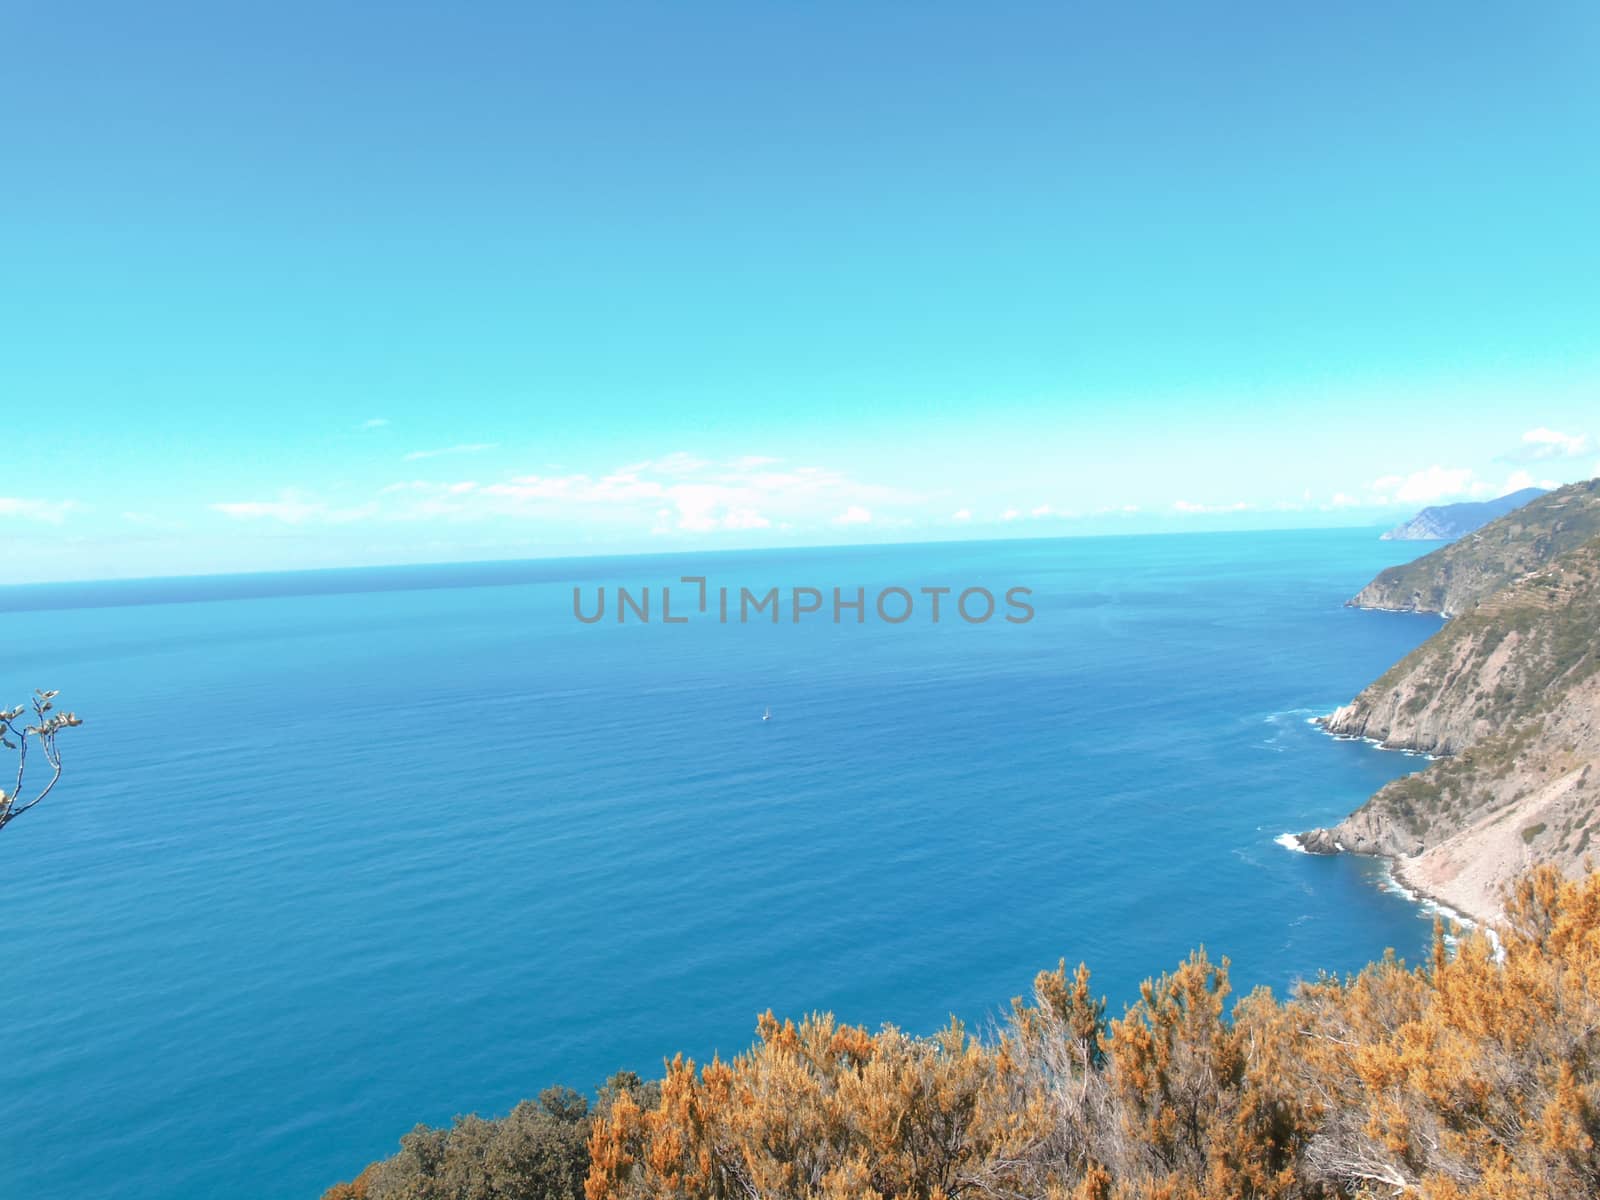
{"x": 1471, "y": 1077}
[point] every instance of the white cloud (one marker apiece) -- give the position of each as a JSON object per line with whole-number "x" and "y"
{"x": 961, "y": 514}
{"x": 291, "y": 508}
{"x": 704, "y": 496}
{"x": 1444, "y": 485}
{"x": 1518, "y": 480}
{"x": 291, "y": 512}
{"x": 463, "y": 448}
{"x": 429, "y": 487}
{"x": 743, "y": 518}
{"x": 1427, "y": 486}
{"x": 375, "y": 423}
{"x": 52, "y": 512}
{"x": 620, "y": 486}
{"x": 1541, "y": 444}
{"x": 677, "y": 493}
{"x": 1043, "y": 510}
{"x": 680, "y": 463}
{"x": 705, "y": 508}
{"x": 1010, "y": 514}
{"x": 1190, "y": 508}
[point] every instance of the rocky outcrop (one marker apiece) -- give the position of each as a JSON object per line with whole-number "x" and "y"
{"x": 1508, "y": 695}
{"x": 1446, "y": 522}
{"x": 1439, "y": 700}
{"x": 1463, "y": 828}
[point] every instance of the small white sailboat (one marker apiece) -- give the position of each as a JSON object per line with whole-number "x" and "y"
{"x": 767, "y": 715}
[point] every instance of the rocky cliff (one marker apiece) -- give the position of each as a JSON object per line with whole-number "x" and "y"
{"x": 1507, "y": 693}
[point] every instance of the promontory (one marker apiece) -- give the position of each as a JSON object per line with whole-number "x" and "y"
{"x": 1506, "y": 695}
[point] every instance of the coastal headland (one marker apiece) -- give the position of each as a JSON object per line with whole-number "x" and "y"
{"x": 1505, "y": 697}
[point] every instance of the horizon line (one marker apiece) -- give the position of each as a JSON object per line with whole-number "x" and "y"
{"x": 33, "y": 586}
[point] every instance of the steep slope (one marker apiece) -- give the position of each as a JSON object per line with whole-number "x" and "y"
{"x": 1461, "y": 830}
{"x": 1509, "y": 694}
{"x": 1489, "y": 669}
{"x": 1455, "y": 577}
{"x": 1446, "y": 522}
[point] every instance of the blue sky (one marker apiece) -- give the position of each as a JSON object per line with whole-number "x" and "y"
{"x": 287, "y": 287}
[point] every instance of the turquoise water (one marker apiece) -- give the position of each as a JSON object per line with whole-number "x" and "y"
{"x": 343, "y": 851}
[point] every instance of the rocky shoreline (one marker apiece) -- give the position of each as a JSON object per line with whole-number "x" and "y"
{"x": 1506, "y": 699}
{"x": 1410, "y": 875}
{"x": 1409, "y": 872}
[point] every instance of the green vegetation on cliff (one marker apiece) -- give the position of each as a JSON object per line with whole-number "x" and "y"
{"x": 1456, "y": 577}
{"x": 538, "y": 1151}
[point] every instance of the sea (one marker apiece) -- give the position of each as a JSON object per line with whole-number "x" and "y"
{"x": 338, "y": 852}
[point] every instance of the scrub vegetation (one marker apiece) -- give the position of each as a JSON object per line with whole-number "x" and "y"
{"x": 1472, "y": 1076}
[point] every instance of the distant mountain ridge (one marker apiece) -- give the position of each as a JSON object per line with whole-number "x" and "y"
{"x": 1446, "y": 522}
{"x": 1455, "y": 577}
{"x": 1507, "y": 694}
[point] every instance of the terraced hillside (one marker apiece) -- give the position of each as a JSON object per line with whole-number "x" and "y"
{"x": 1454, "y": 578}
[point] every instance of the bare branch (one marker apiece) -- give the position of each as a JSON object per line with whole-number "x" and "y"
{"x": 46, "y": 726}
